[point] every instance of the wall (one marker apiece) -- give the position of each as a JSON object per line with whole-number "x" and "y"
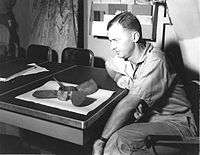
{"x": 49, "y": 23}
{"x": 185, "y": 31}
{"x": 100, "y": 47}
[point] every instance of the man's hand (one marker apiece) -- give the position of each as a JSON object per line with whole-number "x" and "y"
{"x": 121, "y": 66}
{"x": 124, "y": 82}
{"x": 98, "y": 147}
{"x": 117, "y": 64}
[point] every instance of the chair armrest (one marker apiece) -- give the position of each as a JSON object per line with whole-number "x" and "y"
{"x": 152, "y": 140}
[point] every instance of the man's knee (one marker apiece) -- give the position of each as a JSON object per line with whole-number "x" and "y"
{"x": 134, "y": 143}
{"x": 126, "y": 142}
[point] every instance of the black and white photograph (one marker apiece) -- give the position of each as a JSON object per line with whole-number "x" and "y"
{"x": 99, "y": 77}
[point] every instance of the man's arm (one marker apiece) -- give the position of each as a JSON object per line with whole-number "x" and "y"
{"x": 122, "y": 80}
{"x": 120, "y": 115}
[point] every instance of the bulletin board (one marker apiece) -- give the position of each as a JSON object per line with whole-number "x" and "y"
{"x": 102, "y": 11}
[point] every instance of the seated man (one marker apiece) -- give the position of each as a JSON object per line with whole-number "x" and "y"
{"x": 156, "y": 96}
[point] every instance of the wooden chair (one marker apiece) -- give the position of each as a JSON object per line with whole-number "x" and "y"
{"x": 190, "y": 145}
{"x": 78, "y": 56}
{"x": 41, "y": 53}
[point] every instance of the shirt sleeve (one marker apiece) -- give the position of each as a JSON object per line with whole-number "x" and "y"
{"x": 151, "y": 82}
{"x": 118, "y": 68}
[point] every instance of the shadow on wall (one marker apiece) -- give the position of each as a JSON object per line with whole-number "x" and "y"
{"x": 173, "y": 52}
{"x": 99, "y": 62}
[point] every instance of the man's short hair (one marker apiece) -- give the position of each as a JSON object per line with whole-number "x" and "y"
{"x": 128, "y": 21}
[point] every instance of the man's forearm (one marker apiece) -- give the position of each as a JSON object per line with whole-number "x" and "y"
{"x": 120, "y": 115}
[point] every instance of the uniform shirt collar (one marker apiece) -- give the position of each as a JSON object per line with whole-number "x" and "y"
{"x": 148, "y": 48}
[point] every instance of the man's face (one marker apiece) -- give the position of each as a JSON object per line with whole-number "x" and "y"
{"x": 120, "y": 41}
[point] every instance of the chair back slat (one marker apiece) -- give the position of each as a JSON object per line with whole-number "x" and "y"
{"x": 78, "y": 56}
{"x": 41, "y": 53}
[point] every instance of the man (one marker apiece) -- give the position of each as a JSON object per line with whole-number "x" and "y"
{"x": 155, "y": 95}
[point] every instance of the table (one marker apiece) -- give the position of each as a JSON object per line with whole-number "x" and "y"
{"x": 64, "y": 125}
{"x": 23, "y": 80}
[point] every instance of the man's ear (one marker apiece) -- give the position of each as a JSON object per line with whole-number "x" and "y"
{"x": 135, "y": 36}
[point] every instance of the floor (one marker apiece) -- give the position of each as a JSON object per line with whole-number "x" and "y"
{"x": 48, "y": 145}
